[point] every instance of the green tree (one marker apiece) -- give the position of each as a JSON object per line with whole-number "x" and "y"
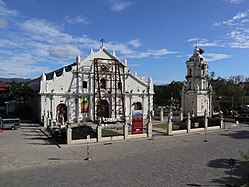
{"x": 165, "y": 93}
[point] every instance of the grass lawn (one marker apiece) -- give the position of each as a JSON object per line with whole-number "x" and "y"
{"x": 107, "y": 133}
{"x": 164, "y": 126}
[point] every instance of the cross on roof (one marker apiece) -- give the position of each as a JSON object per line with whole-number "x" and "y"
{"x": 102, "y": 42}
{"x": 196, "y": 44}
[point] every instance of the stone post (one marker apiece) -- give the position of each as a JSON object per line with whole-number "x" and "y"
{"x": 161, "y": 114}
{"x": 205, "y": 120}
{"x": 170, "y": 124}
{"x": 152, "y": 113}
{"x": 221, "y": 120}
{"x": 69, "y": 134}
{"x": 181, "y": 114}
{"x": 188, "y": 123}
{"x": 125, "y": 129}
{"x": 149, "y": 127}
{"x": 45, "y": 122}
{"x": 99, "y": 132}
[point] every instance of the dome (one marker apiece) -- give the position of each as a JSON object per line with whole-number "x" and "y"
{"x": 196, "y": 51}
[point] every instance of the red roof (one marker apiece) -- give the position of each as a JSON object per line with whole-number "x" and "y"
{"x": 3, "y": 86}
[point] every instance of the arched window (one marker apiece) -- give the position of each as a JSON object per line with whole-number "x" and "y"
{"x": 61, "y": 111}
{"x": 137, "y": 106}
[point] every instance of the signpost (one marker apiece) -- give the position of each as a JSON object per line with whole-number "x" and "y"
{"x": 137, "y": 121}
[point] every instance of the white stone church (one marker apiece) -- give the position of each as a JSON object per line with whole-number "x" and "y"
{"x": 98, "y": 87}
{"x": 196, "y": 96}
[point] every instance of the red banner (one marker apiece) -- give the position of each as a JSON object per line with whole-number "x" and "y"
{"x": 137, "y": 122}
{"x": 84, "y": 105}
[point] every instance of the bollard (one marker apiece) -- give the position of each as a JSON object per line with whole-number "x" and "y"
{"x": 149, "y": 129}
{"x": 181, "y": 114}
{"x": 125, "y": 129}
{"x": 188, "y": 123}
{"x": 88, "y": 157}
{"x": 161, "y": 114}
{"x": 69, "y": 134}
{"x": 221, "y": 120}
{"x": 99, "y": 133}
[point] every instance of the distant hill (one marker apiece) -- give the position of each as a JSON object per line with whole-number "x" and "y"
{"x": 14, "y": 80}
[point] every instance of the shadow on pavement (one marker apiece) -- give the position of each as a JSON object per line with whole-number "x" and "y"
{"x": 240, "y": 170}
{"x": 238, "y": 135}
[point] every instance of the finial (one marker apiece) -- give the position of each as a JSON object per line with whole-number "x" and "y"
{"x": 43, "y": 76}
{"x": 91, "y": 51}
{"x": 114, "y": 52}
{"x": 125, "y": 61}
{"x": 78, "y": 59}
{"x": 149, "y": 79}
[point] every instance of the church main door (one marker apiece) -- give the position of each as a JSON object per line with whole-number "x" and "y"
{"x": 61, "y": 113}
{"x": 103, "y": 109}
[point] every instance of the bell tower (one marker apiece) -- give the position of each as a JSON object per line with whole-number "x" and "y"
{"x": 196, "y": 94}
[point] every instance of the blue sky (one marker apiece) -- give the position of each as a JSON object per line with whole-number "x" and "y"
{"x": 156, "y": 37}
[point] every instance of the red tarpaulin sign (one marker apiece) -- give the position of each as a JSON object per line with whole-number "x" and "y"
{"x": 137, "y": 122}
{"x": 84, "y": 105}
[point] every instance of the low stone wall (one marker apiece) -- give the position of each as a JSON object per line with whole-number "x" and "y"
{"x": 109, "y": 138}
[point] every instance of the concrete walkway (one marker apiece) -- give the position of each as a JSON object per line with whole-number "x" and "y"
{"x": 29, "y": 158}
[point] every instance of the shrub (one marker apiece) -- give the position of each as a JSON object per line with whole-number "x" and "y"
{"x": 81, "y": 132}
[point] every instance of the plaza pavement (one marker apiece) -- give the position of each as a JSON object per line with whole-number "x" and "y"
{"x": 29, "y": 158}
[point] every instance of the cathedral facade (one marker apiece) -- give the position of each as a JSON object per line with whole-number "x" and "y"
{"x": 99, "y": 87}
{"x": 196, "y": 95}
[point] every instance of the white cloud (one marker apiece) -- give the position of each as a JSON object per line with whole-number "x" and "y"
{"x": 135, "y": 43}
{"x": 214, "y": 57}
{"x": 77, "y": 20}
{"x": 44, "y": 31}
{"x": 61, "y": 51}
{"x": 234, "y": 1}
{"x": 235, "y": 20}
{"x": 149, "y": 53}
{"x": 239, "y": 38}
{"x": 37, "y": 44}
{"x": 3, "y": 23}
{"x": 237, "y": 35}
{"x": 6, "y": 12}
{"x": 119, "y": 5}
{"x": 202, "y": 42}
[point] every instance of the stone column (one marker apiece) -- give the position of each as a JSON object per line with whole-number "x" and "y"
{"x": 170, "y": 124}
{"x": 125, "y": 130}
{"x": 205, "y": 120}
{"x": 99, "y": 132}
{"x": 149, "y": 127}
{"x": 221, "y": 120}
{"x": 161, "y": 114}
{"x": 152, "y": 113}
{"x": 181, "y": 114}
{"x": 188, "y": 123}
{"x": 69, "y": 134}
{"x": 45, "y": 122}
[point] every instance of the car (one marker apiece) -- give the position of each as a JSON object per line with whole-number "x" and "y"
{"x": 10, "y": 123}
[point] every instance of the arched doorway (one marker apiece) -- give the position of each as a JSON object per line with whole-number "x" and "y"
{"x": 137, "y": 106}
{"x": 61, "y": 113}
{"x": 103, "y": 109}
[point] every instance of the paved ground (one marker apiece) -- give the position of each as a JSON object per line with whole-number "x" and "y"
{"x": 29, "y": 158}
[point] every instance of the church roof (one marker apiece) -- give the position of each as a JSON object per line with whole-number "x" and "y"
{"x": 101, "y": 53}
